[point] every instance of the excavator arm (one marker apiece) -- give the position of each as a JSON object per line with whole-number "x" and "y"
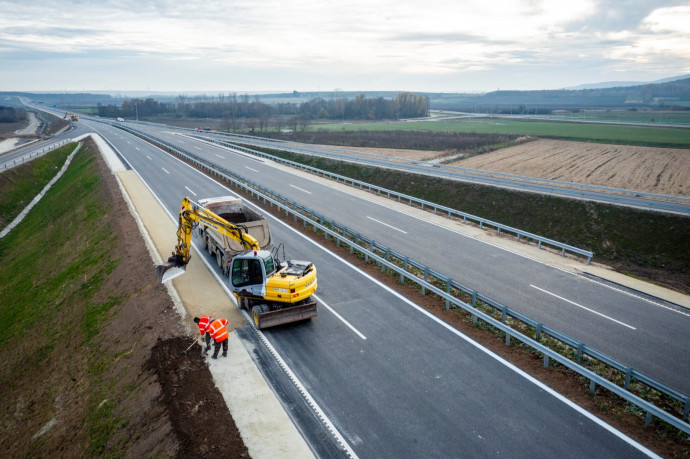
{"x": 190, "y": 215}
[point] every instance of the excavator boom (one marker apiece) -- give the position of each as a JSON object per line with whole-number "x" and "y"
{"x": 190, "y": 215}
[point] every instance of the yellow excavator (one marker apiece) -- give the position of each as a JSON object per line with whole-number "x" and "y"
{"x": 274, "y": 292}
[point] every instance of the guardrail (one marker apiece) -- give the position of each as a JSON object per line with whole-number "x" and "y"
{"x": 429, "y": 282}
{"x": 413, "y": 200}
{"x": 33, "y": 155}
{"x": 480, "y": 172}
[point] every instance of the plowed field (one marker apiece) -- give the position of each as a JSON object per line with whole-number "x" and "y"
{"x": 648, "y": 169}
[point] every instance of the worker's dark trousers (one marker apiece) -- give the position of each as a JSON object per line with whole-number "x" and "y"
{"x": 217, "y": 346}
{"x": 208, "y": 342}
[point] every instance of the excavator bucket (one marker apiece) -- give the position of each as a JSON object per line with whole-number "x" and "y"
{"x": 170, "y": 270}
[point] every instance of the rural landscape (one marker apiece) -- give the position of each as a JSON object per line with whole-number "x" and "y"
{"x": 402, "y": 266}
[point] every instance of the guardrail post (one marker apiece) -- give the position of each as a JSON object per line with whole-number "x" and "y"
{"x": 503, "y": 313}
{"x": 546, "y": 361}
{"x": 402, "y": 279}
{"x": 448, "y": 292}
{"x": 426, "y": 275}
{"x": 540, "y": 244}
{"x": 580, "y": 347}
{"x": 648, "y": 419}
{"x": 628, "y": 376}
{"x": 537, "y": 332}
{"x": 686, "y": 410}
{"x": 592, "y": 386}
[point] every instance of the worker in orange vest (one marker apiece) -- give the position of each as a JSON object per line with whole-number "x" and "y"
{"x": 220, "y": 335}
{"x": 203, "y": 324}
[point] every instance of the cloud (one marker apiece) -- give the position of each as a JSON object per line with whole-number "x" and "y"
{"x": 317, "y": 41}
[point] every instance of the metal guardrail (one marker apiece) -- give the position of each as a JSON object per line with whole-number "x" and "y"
{"x": 33, "y": 155}
{"x": 352, "y": 239}
{"x": 480, "y": 172}
{"x": 420, "y": 202}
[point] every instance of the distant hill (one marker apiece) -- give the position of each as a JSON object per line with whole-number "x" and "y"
{"x": 672, "y": 94}
{"x": 618, "y": 84}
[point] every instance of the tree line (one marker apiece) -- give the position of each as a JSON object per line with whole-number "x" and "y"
{"x": 236, "y": 108}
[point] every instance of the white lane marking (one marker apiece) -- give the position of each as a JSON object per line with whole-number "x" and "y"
{"x": 190, "y": 190}
{"x": 149, "y": 157}
{"x": 251, "y": 169}
{"x": 293, "y": 186}
{"x": 129, "y": 143}
{"x": 386, "y": 224}
{"x": 221, "y": 157}
{"x": 166, "y": 171}
{"x": 587, "y": 309}
{"x": 137, "y": 148}
{"x": 198, "y": 148}
{"x": 339, "y": 316}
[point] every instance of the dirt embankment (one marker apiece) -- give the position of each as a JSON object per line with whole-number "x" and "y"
{"x": 124, "y": 389}
{"x": 648, "y": 169}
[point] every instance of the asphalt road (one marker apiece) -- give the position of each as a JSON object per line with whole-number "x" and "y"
{"x": 394, "y": 381}
{"x": 646, "y": 334}
{"x": 527, "y": 184}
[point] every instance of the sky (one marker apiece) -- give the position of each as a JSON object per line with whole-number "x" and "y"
{"x": 315, "y": 45}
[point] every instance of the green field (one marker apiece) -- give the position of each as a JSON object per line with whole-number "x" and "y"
{"x": 602, "y": 133}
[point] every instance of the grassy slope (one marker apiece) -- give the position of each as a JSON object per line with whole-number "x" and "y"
{"x": 21, "y": 184}
{"x": 643, "y": 244}
{"x": 603, "y": 133}
{"x": 49, "y": 274}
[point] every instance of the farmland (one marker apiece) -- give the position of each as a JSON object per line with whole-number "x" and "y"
{"x": 648, "y": 169}
{"x": 589, "y": 132}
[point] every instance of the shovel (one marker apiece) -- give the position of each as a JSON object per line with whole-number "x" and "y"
{"x": 190, "y": 346}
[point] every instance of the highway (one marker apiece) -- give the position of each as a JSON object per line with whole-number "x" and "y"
{"x": 404, "y": 384}
{"x": 627, "y": 198}
{"x": 645, "y": 333}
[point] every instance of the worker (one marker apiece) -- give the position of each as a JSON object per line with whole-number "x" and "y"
{"x": 220, "y": 335}
{"x": 204, "y": 324}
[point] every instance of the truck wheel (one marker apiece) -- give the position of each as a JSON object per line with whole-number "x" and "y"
{"x": 256, "y": 311}
{"x": 209, "y": 246}
{"x": 219, "y": 260}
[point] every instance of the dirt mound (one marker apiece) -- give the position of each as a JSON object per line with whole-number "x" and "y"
{"x": 198, "y": 413}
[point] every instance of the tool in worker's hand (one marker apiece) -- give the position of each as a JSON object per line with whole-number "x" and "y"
{"x": 190, "y": 346}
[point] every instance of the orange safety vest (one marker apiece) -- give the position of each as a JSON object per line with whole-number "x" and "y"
{"x": 204, "y": 323}
{"x": 218, "y": 331}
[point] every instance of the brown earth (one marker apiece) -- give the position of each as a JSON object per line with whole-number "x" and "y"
{"x": 648, "y": 169}
{"x": 165, "y": 402}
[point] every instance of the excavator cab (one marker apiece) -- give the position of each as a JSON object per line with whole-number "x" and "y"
{"x": 248, "y": 272}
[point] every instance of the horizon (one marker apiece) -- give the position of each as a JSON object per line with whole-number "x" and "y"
{"x": 308, "y": 46}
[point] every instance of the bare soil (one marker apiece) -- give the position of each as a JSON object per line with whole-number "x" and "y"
{"x": 649, "y": 169}
{"x": 166, "y": 402}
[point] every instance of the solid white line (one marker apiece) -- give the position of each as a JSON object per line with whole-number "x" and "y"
{"x": 293, "y": 186}
{"x": 251, "y": 169}
{"x": 587, "y": 309}
{"x": 339, "y": 316}
{"x": 198, "y": 148}
{"x": 166, "y": 171}
{"x": 149, "y": 157}
{"x": 386, "y": 224}
{"x": 190, "y": 190}
{"x": 221, "y": 157}
{"x": 137, "y": 148}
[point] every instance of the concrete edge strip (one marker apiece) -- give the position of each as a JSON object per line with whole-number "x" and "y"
{"x": 40, "y": 195}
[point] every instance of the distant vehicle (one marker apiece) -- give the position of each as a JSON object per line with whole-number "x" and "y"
{"x": 207, "y": 128}
{"x": 119, "y": 119}
{"x": 199, "y": 129}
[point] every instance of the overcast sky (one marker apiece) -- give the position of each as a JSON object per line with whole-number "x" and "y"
{"x": 420, "y": 45}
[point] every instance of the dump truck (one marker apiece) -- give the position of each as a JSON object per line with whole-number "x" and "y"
{"x": 235, "y": 211}
{"x": 274, "y": 292}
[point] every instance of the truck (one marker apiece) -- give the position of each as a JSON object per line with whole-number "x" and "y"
{"x": 272, "y": 290}
{"x": 235, "y": 211}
